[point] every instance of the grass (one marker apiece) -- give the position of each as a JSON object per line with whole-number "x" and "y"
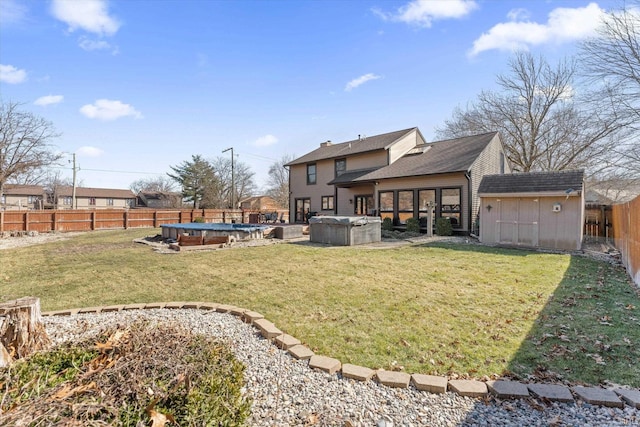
{"x": 436, "y": 309}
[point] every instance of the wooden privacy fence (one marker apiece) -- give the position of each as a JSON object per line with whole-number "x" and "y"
{"x": 626, "y": 235}
{"x": 44, "y": 221}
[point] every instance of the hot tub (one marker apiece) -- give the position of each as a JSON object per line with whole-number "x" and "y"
{"x": 237, "y": 231}
{"x": 345, "y": 230}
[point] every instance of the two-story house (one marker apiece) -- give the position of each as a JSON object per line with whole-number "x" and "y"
{"x": 94, "y": 198}
{"x": 22, "y": 197}
{"x": 396, "y": 175}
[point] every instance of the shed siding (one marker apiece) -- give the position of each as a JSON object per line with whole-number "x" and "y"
{"x": 531, "y": 221}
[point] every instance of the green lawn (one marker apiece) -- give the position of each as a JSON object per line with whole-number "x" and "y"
{"x": 436, "y": 309}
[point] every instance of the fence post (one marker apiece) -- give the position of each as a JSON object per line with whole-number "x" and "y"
{"x": 26, "y": 221}
{"x": 1, "y": 221}
{"x": 93, "y": 220}
{"x": 126, "y": 220}
{"x": 155, "y": 219}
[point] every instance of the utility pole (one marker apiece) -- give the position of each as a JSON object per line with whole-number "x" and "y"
{"x": 233, "y": 179}
{"x": 74, "y": 203}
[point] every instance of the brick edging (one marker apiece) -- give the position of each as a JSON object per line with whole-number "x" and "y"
{"x": 502, "y": 389}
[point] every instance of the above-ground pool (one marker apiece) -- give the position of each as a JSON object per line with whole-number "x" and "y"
{"x": 237, "y": 231}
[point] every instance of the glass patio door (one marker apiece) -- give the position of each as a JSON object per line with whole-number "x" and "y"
{"x": 363, "y": 205}
{"x": 303, "y": 206}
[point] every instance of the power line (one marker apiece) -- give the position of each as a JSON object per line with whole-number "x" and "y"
{"x": 110, "y": 170}
{"x": 259, "y": 157}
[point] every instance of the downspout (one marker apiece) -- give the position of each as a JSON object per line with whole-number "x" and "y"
{"x": 469, "y": 202}
{"x": 288, "y": 169}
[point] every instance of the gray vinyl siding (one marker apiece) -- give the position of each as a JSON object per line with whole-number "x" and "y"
{"x": 487, "y": 163}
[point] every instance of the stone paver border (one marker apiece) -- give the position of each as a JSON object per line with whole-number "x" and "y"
{"x": 502, "y": 389}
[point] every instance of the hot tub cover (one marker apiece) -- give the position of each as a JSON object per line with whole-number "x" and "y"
{"x": 345, "y": 220}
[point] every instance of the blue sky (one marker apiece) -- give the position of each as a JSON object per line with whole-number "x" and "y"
{"x": 135, "y": 86}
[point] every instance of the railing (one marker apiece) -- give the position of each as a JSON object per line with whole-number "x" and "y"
{"x": 44, "y": 221}
{"x": 626, "y": 235}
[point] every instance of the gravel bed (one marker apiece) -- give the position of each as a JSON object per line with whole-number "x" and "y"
{"x": 286, "y": 392}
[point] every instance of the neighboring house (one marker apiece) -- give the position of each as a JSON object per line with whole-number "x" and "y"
{"x": 538, "y": 209}
{"x": 159, "y": 199}
{"x": 396, "y": 175}
{"x": 95, "y": 198}
{"x": 22, "y": 197}
{"x": 259, "y": 204}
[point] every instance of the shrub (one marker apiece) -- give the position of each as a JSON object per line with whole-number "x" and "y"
{"x": 126, "y": 378}
{"x": 387, "y": 224}
{"x": 413, "y": 225}
{"x": 198, "y": 219}
{"x": 443, "y": 227}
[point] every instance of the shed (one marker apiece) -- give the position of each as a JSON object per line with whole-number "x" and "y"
{"x": 535, "y": 209}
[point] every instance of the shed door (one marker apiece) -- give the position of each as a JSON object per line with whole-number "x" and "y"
{"x": 518, "y": 222}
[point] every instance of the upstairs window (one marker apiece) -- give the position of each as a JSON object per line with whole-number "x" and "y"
{"x": 311, "y": 174}
{"x": 92, "y": 201}
{"x": 67, "y": 201}
{"x": 341, "y": 166}
{"x": 109, "y": 202}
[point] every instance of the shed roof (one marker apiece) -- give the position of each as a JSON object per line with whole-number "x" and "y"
{"x": 356, "y": 146}
{"x": 533, "y": 182}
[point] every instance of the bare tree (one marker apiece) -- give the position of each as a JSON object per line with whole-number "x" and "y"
{"x": 53, "y": 183}
{"x": 611, "y": 63}
{"x": 160, "y": 184}
{"x": 544, "y": 125}
{"x": 243, "y": 180}
{"x": 278, "y": 182}
{"x": 25, "y": 145}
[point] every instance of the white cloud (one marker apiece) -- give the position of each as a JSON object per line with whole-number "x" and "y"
{"x": 265, "y": 141}
{"x": 518, "y": 14}
{"x": 360, "y": 80}
{"x": 49, "y": 100}
{"x": 12, "y": 12}
{"x": 564, "y": 25}
{"x": 106, "y": 109}
{"x": 88, "y": 151}
{"x": 11, "y": 74}
{"x": 424, "y": 12}
{"x": 88, "y": 15}
{"x": 89, "y": 45}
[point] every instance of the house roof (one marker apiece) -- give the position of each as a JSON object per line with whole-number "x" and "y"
{"x": 111, "y": 193}
{"x": 447, "y": 156}
{"x": 23, "y": 190}
{"x": 351, "y": 176}
{"x": 533, "y": 182}
{"x": 356, "y": 146}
